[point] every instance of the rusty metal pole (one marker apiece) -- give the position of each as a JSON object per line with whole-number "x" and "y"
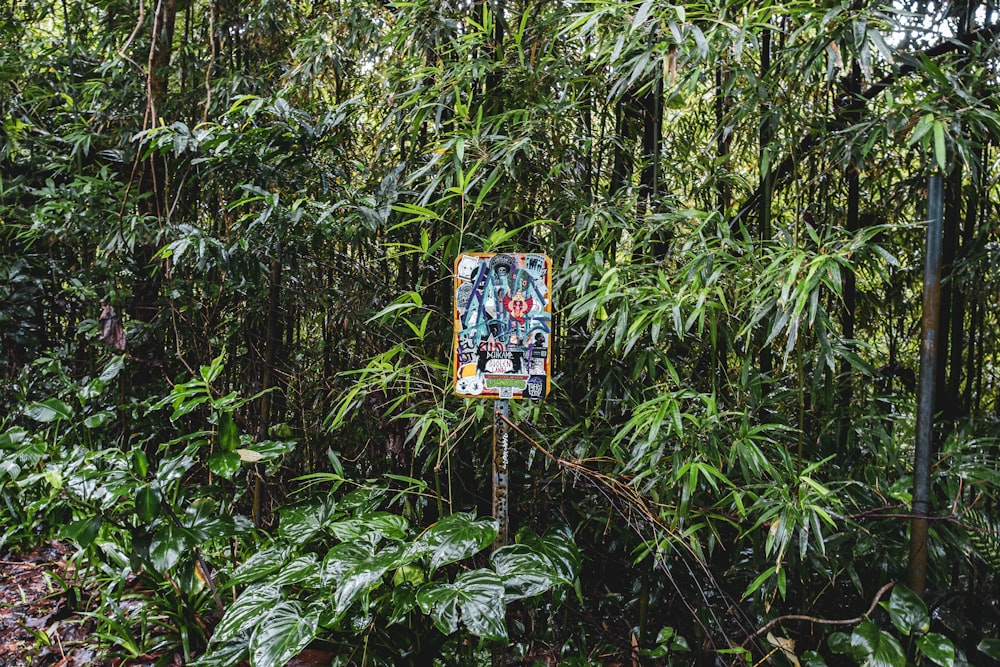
{"x": 917, "y": 573}
{"x": 501, "y": 442}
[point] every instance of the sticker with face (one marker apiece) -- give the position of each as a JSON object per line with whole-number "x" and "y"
{"x": 467, "y": 267}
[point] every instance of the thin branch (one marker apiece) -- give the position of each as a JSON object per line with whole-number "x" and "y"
{"x": 823, "y": 621}
{"x": 135, "y": 32}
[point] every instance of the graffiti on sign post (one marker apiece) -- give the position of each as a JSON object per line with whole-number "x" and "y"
{"x": 503, "y": 325}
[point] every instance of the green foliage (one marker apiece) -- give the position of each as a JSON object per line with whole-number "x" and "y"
{"x": 225, "y": 299}
{"x": 344, "y": 571}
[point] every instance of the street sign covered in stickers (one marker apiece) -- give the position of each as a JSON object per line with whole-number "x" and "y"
{"x": 503, "y": 325}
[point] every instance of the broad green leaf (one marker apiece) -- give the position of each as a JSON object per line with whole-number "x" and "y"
{"x": 812, "y": 659}
{"x": 864, "y": 641}
{"x": 889, "y": 653}
{"x": 363, "y": 576}
{"x": 225, "y": 464}
{"x": 147, "y": 503}
{"x": 246, "y": 612}
{"x": 940, "y": 149}
{"x": 229, "y": 435}
{"x": 455, "y": 537}
{"x": 908, "y": 611}
{"x": 9, "y": 468}
{"x": 226, "y": 654}
{"x": 173, "y": 469}
{"x": 97, "y": 420}
{"x": 300, "y": 522}
{"x": 524, "y": 572}
{"x": 205, "y": 521}
{"x": 296, "y": 570}
{"x": 84, "y": 531}
{"x": 476, "y": 599}
{"x": 49, "y": 410}
{"x": 13, "y": 437}
{"x": 343, "y": 558}
{"x": 937, "y": 648}
{"x": 355, "y": 584}
{"x": 558, "y": 547}
{"x": 259, "y": 565}
{"x": 991, "y": 647}
{"x": 113, "y": 368}
{"x": 372, "y": 527}
{"x": 282, "y": 634}
{"x": 871, "y": 647}
{"x": 166, "y": 547}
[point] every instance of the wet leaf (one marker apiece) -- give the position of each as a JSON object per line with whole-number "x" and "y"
{"x": 246, "y": 612}
{"x": 476, "y": 599}
{"x": 281, "y": 634}
{"x": 455, "y": 537}
{"x": 908, "y": 611}
{"x": 49, "y": 410}
{"x": 147, "y": 503}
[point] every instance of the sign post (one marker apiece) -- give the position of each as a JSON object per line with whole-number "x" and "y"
{"x": 503, "y": 350}
{"x": 501, "y": 486}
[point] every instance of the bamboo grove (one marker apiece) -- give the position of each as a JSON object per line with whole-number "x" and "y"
{"x": 229, "y": 232}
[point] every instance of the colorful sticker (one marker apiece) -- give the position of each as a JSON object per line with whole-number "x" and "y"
{"x": 503, "y": 325}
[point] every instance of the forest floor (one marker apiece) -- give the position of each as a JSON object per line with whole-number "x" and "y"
{"x": 42, "y": 621}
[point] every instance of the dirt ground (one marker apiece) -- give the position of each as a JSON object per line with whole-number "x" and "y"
{"x": 41, "y": 623}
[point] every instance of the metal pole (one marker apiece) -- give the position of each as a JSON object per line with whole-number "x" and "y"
{"x": 501, "y": 442}
{"x": 925, "y": 398}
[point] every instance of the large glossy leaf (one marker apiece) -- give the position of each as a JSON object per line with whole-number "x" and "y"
{"x": 864, "y": 641}
{"x": 908, "y": 611}
{"x": 225, "y": 654}
{"x": 812, "y": 659}
{"x": 229, "y": 435}
{"x": 990, "y": 647}
{"x": 300, "y": 522}
{"x": 341, "y": 559}
{"x": 558, "y": 547}
{"x": 49, "y": 410}
{"x": 360, "y": 578}
{"x": 871, "y": 647}
{"x": 205, "y": 521}
{"x": 225, "y": 464}
{"x": 282, "y": 634}
{"x": 246, "y": 612}
{"x": 455, "y": 537}
{"x": 524, "y": 572}
{"x": 937, "y": 648}
{"x": 476, "y": 599}
{"x": 890, "y": 653}
{"x": 371, "y": 527}
{"x": 296, "y": 570}
{"x": 147, "y": 503}
{"x": 166, "y": 546}
{"x": 13, "y": 437}
{"x": 839, "y": 642}
{"x": 259, "y": 565}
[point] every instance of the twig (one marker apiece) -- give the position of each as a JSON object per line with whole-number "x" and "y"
{"x": 822, "y": 621}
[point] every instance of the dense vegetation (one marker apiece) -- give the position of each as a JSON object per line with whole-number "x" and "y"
{"x": 228, "y": 237}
